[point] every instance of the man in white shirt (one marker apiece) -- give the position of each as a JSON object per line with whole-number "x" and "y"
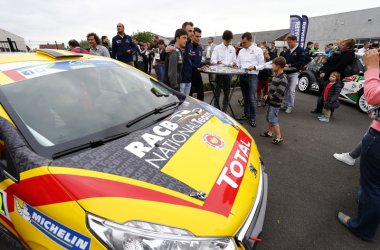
{"x": 365, "y": 48}
{"x": 224, "y": 54}
{"x": 250, "y": 58}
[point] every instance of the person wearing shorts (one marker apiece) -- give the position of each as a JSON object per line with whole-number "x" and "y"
{"x": 274, "y": 98}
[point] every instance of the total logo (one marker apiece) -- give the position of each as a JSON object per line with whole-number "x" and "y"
{"x": 213, "y": 141}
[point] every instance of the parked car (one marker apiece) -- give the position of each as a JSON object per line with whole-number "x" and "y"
{"x": 352, "y": 91}
{"x": 95, "y": 154}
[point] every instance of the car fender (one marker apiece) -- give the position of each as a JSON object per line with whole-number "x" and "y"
{"x": 309, "y": 74}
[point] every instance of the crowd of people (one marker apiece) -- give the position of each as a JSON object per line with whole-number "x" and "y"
{"x": 179, "y": 65}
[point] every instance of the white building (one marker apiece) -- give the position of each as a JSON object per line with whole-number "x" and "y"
{"x": 11, "y": 42}
{"x": 363, "y": 25}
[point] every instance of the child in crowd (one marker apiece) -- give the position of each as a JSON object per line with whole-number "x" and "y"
{"x": 274, "y": 99}
{"x": 331, "y": 96}
{"x": 174, "y": 61}
{"x": 262, "y": 85}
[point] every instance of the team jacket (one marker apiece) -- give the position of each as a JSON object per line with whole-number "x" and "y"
{"x": 120, "y": 45}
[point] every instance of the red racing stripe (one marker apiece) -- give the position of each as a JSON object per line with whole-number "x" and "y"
{"x": 14, "y": 75}
{"x": 223, "y": 194}
{"x": 37, "y": 191}
{"x": 48, "y": 189}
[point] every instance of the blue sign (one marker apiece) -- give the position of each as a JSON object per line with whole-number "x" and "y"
{"x": 57, "y": 232}
{"x": 298, "y": 27}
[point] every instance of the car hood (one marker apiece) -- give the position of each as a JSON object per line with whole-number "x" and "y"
{"x": 196, "y": 168}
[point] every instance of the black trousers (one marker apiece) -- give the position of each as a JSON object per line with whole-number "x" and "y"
{"x": 321, "y": 86}
{"x": 197, "y": 85}
{"x": 223, "y": 82}
{"x": 146, "y": 65}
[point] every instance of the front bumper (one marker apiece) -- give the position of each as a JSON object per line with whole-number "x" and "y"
{"x": 253, "y": 226}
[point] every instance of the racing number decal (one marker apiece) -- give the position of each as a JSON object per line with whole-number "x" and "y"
{"x": 3, "y": 205}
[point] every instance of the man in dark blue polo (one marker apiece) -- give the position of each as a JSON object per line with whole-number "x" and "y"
{"x": 122, "y": 46}
{"x": 195, "y": 55}
{"x": 295, "y": 59}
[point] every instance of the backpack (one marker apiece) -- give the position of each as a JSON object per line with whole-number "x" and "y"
{"x": 355, "y": 68}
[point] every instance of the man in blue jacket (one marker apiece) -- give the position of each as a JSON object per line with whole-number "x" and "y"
{"x": 295, "y": 59}
{"x": 196, "y": 58}
{"x": 122, "y": 46}
{"x": 187, "y": 69}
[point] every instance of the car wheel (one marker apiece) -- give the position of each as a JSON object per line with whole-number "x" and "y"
{"x": 304, "y": 83}
{"x": 362, "y": 103}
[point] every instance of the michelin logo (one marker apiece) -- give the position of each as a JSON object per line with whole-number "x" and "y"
{"x": 57, "y": 232}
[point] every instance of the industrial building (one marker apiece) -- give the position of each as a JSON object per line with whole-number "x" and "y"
{"x": 363, "y": 25}
{"x": 11, "y": 42}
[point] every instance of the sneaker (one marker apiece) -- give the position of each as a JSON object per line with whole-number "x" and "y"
{"x": 345, "y": 157}
{"x": 283, "y": 108}
{"x": 266, "y": 134}
{"x": 288, "y": 110}
{"x": 321, "y": 116}
{"x": 242, "y": 118}
{"x": 252, "y": 123}
{"x": 277, "y": 140}
{"x": 324, "y": 119}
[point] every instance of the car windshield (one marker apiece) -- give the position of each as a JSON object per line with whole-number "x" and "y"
{"x": 61, "y": 107}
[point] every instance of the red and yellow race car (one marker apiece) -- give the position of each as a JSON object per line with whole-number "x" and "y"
{"x": 97, "y": 155}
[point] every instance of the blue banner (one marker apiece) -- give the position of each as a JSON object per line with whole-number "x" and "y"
{"x": 305, "y": 26}
{"x": 296, "y": 26}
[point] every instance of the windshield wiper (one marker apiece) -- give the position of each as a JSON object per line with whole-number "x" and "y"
{"x": 155, "y": 111}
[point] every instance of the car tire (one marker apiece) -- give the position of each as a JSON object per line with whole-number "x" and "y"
{"x": 304, "y": 83}
{"x": 362, "y": 103}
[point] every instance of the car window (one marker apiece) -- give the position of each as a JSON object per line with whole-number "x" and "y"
{"x": 65, "y": 106}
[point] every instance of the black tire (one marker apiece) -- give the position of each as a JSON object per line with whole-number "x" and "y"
{"x": 304, "y": 83}
{"x": 362, "y": 103}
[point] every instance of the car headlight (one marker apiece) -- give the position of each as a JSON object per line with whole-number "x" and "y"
{"x": 139, "y": 235}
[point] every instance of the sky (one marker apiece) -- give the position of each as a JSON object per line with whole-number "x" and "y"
{"x": 39, "y": 21}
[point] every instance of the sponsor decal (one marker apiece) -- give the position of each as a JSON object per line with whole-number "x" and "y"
{"x": 223, "y": 117}
{"x": 213, "y": 141}
{"x": 157, "y": 146}
{"x": 57, "y": 232}
{"x": 223, "y": 194}
{"x": 3, "y": 205}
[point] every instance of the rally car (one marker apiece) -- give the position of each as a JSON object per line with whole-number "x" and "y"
{"x": 352, "y": 91}
{"x": 97, "y": 155}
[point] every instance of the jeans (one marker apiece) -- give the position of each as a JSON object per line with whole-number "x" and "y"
{"x": 290, "y": 91}
{"x": 184, "y": 88}
{"x": 272, "y": 115}
{"x": 248, "y": 85}
{"x": 223, "y": 81}
{"x": 364, "y": 225}
{"x": 161, "y": 71}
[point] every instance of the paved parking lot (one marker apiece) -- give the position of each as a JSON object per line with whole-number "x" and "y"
{"x": 307, "y": 186}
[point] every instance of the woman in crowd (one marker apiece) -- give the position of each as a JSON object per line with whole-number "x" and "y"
{"x": 338, "y": 62}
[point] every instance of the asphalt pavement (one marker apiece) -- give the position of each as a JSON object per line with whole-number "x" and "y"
{"x": 307, "y": 186}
